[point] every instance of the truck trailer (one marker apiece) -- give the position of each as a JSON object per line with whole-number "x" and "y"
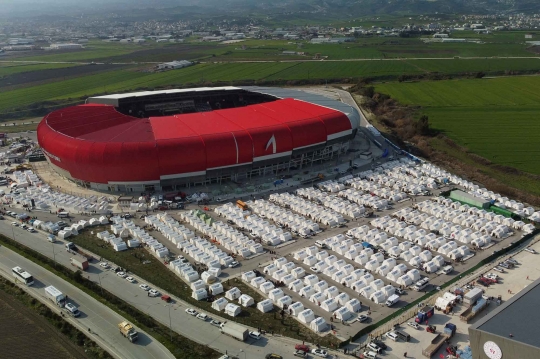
{"x": 128, "y": 331}
{"x": 82, "y": 264}
{"x": 234, "y": 330}
{"x": 55, "y": 296}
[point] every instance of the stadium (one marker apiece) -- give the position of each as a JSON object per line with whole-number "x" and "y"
{"x": 171, "y": 139}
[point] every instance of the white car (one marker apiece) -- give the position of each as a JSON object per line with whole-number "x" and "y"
{"x": 144, "y": 287}
{"x": 202, "y": 316}
{"x": 153, "y": 293}
{"x": 315, "y": 270}
{"x": 255, "y": 335}
{"x": 498, "y": 269}
{"x": 15, "y": 224}
{"x": 374, "y": 347}
{"x": 104, "y": 265}
{"x": 130, "y": 279}
{"x": 233, "y": 264}
{"x": 191, "y": 311}
{"x": 319, "y": 352}
{"x": 530, "y": 250}
{"x": 362, "y": 318}
{"x": 414, "y": 325}
{"x": 121, "y": 274}
{"x": 492, "y": 276}
{"x": 31, "y": 230}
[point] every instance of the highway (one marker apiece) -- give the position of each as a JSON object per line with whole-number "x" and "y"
{"x": 174, "y": 313}
{"x": 100, "y": 319}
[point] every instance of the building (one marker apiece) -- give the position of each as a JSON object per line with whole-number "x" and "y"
{"x": 166, "y": 140}
{"x": 440, "y": 36}
{"x": 511, "y": 330}
{"x": 174, "y": 65}
{"x": 66, "y": 46}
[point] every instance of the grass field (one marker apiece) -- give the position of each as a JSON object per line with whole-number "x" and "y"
{"x": 495, "y": 118}
{"x": 7, "y": 69}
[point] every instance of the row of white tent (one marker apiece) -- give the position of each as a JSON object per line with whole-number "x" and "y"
{"x": 367, "y": 199}
{"x": 139, "y": 234}
{"x": 224, "y": 235}
{"x": 332, "y": 202}
{"x": 285, "y": 217}
{"x": 269, "y": 233}
{"x": 359, "y": 186}
{"x": 308, "y": 209}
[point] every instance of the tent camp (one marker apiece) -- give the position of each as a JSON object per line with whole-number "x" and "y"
{"x": 265, "y": 306}
{"x": 219, "y": 304}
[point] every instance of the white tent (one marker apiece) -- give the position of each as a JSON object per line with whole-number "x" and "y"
{"x": 233, "y": 293}
{"x": 256, "y": 282}
{"x": 329, "y": 305}
{"x": 378, "y": 297}
{"x": 321, "y": 286}
{"x": 246, "y": 300}
{"x": 284, "y": 301}
{"x": 415, "y": 261}
{"x": 296, "y": 308}
{"x": 431, "y": 267}
{"x": 372, "y": 265}
{"x": 298, "y": 272}
{"x": 248, "y": 276}
{"x": 232, "y": 309}
{"x": 307, "y": 291}
{"x": 414, "y": 274}
{"x": 353, "y": 305}
{"x": 296, "y": 285}
{"x": 310, "y": 260}
{"x": 426, "y": 256}
{"x": 265, "y": 306}
{"x": 198, "y": 285}
{"x": 306, "y": 316}
{"x": 367, "y": 291}
{"x": 377, "y": 284}
{"x": 266, "y": 287}
{"x": 199, "y": 294}
{"x": 317, "y": 298}
{"x": 288, "y": 279}
{"x": 270, "y": 269}
{"x": 318, "y": 325}
{"x": 404, "y": 280}
{"x": 275, "y": 294}
{"x": 342, "y": 298}
{"x": 343, "y": 314}
{"x": 216, "y": 288}
{"x": 331, "y": 292}
{"x": 219, "y": 304}
{"x": 311, "y": 279}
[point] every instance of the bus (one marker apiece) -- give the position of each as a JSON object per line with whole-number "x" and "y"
{"x": 22, "y": 276}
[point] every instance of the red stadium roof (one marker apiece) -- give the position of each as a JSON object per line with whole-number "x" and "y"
{"x": 96, "y": 143}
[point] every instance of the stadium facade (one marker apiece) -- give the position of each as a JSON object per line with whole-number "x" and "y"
{"x": 166, "y": 140}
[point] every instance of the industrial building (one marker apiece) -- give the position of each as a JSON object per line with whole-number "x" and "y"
{"x": 511, "y": 330}
{"x": 66, "y": 46}
{"x": 174, "y": 65}
{"x": 166, "y": 140}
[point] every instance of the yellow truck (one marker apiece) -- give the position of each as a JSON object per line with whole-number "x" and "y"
{"x": 128, "y": 331}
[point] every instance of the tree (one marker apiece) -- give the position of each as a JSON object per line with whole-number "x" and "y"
{"x": 422, "y": 126}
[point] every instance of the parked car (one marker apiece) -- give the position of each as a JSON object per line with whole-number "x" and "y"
{"x": 202, "y": 316}
{"x": 391, "y": 335}
{"x": 370, "y": 355}
{"x": 121, "y": 274}
{"x": 499, "y": 269}
{"x": 191, "y": 311}
{"x": 319, "y": 352}
{"x": 504, "y": 265}
{"x": 131, "y": 279}
{"x": 513, "y": 261}
{"x": 215, "y": 323}
{"x": 492, "y": 276}
{"x": 380, "y": 344}
{"x": 530, "y": 250}
{"x": 362, "y": 318}
{"x": 273, "y": 356}
{"x": 255, "y": 335}
{"x": 144, "y": 287}
{"x": 413, "y": 325}
{"x": 233, "y": 264}
{"x": 372, "y": 346}
{"x": 300, "y": 354}
{"x": 400, "y": 291}
{"x": 315, "y": 270}
{"x": 104, "y": 265}
{"x": 153, "y": 293}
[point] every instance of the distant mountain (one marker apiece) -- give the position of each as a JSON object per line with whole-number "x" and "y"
{"x": 337, "y": 8}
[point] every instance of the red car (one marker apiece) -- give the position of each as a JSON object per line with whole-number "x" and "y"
{"x": 302, "y": 347}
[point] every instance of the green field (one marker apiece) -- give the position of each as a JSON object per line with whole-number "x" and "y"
{"x": 495, "y": 118}
{"x": 7, "y": 69}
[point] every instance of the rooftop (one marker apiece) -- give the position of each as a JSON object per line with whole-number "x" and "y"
{"x": 518, "y": 316}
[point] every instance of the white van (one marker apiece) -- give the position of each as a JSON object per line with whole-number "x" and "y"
{"x": 421, "y": 284}
{"x": 393, "y": 299}
{"x": 320, "y": 244}
{"x": 63, "y": 214}
{"x": 448, "y": 269}
{"x": 392, "y": 335}
{"x": 51, "y": 238}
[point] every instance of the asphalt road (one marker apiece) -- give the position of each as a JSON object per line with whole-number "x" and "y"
{"x": 101, "y": 320}
{"x": 173, "y": 314}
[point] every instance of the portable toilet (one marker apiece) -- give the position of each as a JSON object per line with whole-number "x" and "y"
{"x": 265, "y": 306}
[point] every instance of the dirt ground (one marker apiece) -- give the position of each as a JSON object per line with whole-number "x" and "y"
{"x": 24, "y": 334}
